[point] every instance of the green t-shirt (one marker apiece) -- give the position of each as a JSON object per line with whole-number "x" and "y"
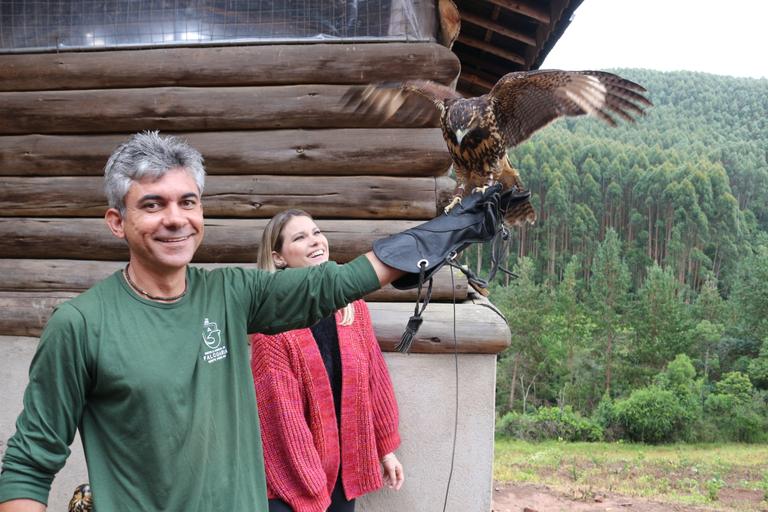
{"x": 162, "y": 393}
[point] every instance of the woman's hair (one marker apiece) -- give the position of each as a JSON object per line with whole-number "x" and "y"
{"x": 272, "y": 237}
{"x": 272, "y": 240}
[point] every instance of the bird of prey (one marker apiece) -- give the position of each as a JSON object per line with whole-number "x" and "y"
{"x": 479, "y": 131}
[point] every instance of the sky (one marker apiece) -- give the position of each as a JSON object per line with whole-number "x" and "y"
{"x": 713, "y": 36}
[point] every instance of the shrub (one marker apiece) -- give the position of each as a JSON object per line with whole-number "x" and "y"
{"x": 605, "y": 416}
{"x": 679, "y": 378}
{"x": 735, "y": 412}
{"x": 650, "y": 415}
{"x": 734, "y": 420}
{"x": 549, "y": 423}
{"x": 517, "y": 426}
{"x": 564, "y": 423}
{"x": 737, "y": 385}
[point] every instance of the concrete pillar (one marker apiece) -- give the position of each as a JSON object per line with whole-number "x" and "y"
{"x": 425, "y": 385}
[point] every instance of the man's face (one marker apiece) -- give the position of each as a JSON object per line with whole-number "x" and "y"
{"x": 163, "y": 222}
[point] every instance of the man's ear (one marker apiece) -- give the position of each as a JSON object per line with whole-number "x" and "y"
{"x": 115, "y": 222}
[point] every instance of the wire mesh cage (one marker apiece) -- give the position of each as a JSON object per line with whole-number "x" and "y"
{"x": 44, "y": 25}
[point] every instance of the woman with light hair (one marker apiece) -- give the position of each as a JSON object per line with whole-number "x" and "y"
{"x": 327, "y": 408}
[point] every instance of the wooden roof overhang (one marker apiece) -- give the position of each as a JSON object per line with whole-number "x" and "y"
{"x": 501, "y": 36}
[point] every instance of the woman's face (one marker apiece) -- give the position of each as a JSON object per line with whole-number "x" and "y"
{"x": 304, "y": 245}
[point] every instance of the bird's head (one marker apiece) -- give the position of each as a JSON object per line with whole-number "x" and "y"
{"x": 463, "y": 120}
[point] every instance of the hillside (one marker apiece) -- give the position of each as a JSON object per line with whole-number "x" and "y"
{"x": 652, "y": 242}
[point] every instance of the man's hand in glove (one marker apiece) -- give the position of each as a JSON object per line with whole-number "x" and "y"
{"x": 427, "y": 247}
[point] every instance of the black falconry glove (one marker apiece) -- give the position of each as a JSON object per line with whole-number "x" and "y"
{"x": 423, "y": 250}
{"x": 427, "y": 247}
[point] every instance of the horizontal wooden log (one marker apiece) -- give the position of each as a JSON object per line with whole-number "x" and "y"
{"x": 226, "y": 240}
{"x": 478, "y": 329}
{"x": 361, "y": 197}
{"x": 444, "y": 289}
{"x": 54, "y": 275}
{"x": 25, "y": 313}
{"x": 190, "y": 109}
{"x": 230, "y": 65}
{"x": 394, "y": 152}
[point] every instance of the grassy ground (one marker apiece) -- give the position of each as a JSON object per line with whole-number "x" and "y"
{"x": 724, "y": 476}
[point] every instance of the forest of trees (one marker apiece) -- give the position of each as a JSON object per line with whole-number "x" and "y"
{"x": 640, "y": 310}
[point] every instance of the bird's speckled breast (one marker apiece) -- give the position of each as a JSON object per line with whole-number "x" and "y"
{"x": 481, "y": 145}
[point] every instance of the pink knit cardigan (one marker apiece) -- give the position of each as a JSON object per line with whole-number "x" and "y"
{"x": 298, "y": 421}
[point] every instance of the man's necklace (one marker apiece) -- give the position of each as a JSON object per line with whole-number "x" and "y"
{"x": 147, "y": 295}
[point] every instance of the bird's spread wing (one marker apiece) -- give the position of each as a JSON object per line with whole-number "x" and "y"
{"x": 527, "y": 101}
{"x": 385, "y": 99}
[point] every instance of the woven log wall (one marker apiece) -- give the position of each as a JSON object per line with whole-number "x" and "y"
{"x": 269, "y": 121}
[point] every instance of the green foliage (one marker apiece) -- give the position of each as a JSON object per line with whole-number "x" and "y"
{"x": 714, "y": 485}
{"x": 650, "y": 415}
{"x": 517, "y": 426}
{"x": 758, "y": 368}
{"x": 644, "y": 283}
{"x": 680, "y": 378}
{"x": 734, "y": 412}
{"x": 750, "y": 295}
{"x": 686, "y": 187}
{"x": 661, "y": 321}
{"x": 605, "y": 416}
{"x": 564, "y": 423}
{"x": 735, "y": 422}
{"x": 666, "y": 411}
{"x": 735, "y": 385}
{"x": 549, "y": 423}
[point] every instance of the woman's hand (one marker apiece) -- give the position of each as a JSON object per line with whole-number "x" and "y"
{"x": 393, "y": 471}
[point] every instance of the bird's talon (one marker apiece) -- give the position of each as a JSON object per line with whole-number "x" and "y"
{"x": 456, "y": 200}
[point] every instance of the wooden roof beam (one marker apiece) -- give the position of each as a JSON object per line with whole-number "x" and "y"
{"x": 524, "y": 9}
{"x": 494, "y": 17}
{"x": 498, "y": 28}
{"x": 468, "y": 89}
{"x": 486, "y": 47}
{"x": 469, "y": 62}
{"x": 475, "y": 80}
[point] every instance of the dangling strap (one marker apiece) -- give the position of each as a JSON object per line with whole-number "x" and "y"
{"x": 475, "y": 281}
{"x": 498, "y": 249}
{"x": 416, "y": 320}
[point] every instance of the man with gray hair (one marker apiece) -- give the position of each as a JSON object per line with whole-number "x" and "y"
{"x": 151, "y": 364}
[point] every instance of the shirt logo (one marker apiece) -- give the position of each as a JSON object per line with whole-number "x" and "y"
{"x": 212, "y": 340}
{"x": 211, "y": 334}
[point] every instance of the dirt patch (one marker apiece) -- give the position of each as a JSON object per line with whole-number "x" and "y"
{"x": 743, "y": 499}
{"x": 540, "y": 498}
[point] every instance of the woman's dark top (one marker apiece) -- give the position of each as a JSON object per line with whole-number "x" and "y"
{"x": 327, "y": 340}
